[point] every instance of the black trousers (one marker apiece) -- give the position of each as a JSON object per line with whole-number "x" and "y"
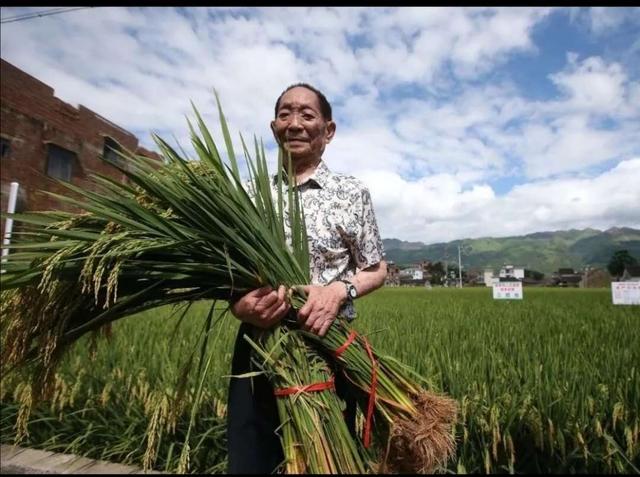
{"x": 252, "y": 415}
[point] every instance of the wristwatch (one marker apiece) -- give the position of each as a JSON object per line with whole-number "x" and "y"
{"x": 352, "y": 293}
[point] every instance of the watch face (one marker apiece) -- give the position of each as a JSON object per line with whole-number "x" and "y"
{"x": 352, "y": 292}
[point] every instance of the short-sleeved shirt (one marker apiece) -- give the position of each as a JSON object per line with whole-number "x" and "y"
{"x": 341, "y": 227}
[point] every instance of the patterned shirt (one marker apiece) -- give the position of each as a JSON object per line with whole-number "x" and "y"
{"x": 341, "y": 227}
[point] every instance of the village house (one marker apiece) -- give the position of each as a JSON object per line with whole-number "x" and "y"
{"x": 393, "y": 275}
{"x": 595, "y": 278}
{"x": 508, "y": 273}
{"x": 566, "y": 277}
{"x": 414, "y": 275}
{"x": 44, "y": 139}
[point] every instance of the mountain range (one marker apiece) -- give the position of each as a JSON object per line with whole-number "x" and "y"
{"x": 541, "y": 251}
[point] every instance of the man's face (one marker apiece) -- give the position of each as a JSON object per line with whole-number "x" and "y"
{"x": 299, "y": 125}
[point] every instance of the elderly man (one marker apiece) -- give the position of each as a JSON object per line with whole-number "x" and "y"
{"x": 347, "y": 262}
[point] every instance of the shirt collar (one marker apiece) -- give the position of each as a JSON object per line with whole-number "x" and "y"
{"x": 319, "y": 177}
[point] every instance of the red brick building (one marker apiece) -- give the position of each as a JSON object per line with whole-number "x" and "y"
{"x": 44, "y": 138}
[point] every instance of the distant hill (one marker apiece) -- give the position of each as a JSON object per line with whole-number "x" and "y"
{"x": 542, "y": 251}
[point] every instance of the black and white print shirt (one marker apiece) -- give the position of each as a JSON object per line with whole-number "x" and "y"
{"x": 341, "y": 227}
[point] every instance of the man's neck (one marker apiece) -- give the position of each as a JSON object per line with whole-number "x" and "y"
{"x": 305, "y": 168}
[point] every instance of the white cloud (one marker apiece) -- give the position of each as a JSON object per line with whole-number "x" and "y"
{"x": 592, "y": 86}
{"x": 569, "y": 144}
{"x": 429, "y": 154}
{"x": 439, "y": 209}
{"x": 603, "y": 19}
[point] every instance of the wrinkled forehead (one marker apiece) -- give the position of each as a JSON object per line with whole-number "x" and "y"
{"x": 299, "y": 98}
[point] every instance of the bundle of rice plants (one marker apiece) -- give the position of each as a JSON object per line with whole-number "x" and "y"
{"x": 186, "y": 231}
{"x": 414, "y": 426}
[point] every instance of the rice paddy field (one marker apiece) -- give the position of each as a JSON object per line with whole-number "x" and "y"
{"x": 548, "y": 384}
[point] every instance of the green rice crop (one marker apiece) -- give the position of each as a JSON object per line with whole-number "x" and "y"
{"x": 548, "y": 384}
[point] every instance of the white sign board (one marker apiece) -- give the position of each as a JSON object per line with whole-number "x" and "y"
{"x": 507, "y": 291}
{"x": 625, "y": 293}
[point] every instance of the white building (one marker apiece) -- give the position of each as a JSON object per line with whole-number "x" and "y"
{"x": 509, "y": 271}
{"x": 488, "y": 277}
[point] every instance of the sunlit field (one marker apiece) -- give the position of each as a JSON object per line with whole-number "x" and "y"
{"x": 548, "y": 384}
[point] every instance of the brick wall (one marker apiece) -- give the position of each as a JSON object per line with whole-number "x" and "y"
{"x": 31, "y": 118}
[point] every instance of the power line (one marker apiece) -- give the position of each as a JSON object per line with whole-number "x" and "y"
{"x": 42, "y": 13}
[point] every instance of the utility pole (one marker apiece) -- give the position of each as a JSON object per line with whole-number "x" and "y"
{"x": 446, "y": 265}
{"x": 11, "y": 208}
{"x": 586, "y": 277}
{"x": 459, "y": 268}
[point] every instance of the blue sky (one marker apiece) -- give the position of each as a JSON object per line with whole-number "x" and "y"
{"x": 463, "y": 122}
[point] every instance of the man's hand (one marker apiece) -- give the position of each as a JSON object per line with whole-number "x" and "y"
{"x": 322, "y": 306}
{"x": 263, "y": 307}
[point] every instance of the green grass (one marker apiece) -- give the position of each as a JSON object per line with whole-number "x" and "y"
{"x": 548, "y": 384}
{"x": 538, "y": 374}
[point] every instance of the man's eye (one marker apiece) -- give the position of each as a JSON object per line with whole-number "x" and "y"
{"x": 308, "y": 117}
{"x": 283, "y": 115}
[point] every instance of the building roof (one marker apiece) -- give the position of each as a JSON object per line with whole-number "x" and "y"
{"x": 571, "y": 278}
{"x": 566, "y": 271}
{"x": 632, "y": 270}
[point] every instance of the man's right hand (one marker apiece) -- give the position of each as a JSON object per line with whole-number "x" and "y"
{"x": 263, "y": 307}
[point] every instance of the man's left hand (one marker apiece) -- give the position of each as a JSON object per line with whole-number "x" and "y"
{"x": 322, "y": 306}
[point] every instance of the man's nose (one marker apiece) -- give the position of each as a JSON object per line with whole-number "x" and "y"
{"x": 294, "y": 122}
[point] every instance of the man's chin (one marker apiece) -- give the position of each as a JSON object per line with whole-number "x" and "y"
{"x": 297, "y": 152}
{"x": 296, "y": 147}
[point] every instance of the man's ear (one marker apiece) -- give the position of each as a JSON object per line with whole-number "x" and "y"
{"x": 331, "y": 131}
{"x": 273, "y": 130}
